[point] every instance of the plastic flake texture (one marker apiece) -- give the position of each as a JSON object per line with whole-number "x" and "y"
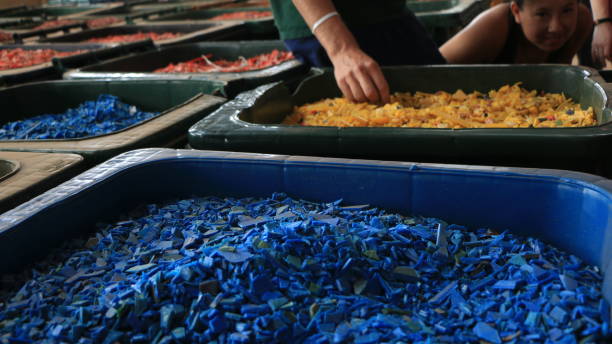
{"x": 277, "y": 270}
{"x": 105, "y": 115}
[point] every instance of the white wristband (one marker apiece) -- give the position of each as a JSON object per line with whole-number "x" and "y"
{"x": 322, "y": 20}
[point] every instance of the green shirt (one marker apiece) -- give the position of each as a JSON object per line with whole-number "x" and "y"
{"x": 354, "y": 13}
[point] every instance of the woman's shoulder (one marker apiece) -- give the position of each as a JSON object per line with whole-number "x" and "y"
{"x": 482, "y": 40}
{"x": 500, "y": 14}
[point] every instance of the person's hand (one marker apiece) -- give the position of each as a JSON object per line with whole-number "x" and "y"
{"x": 359, "y": 77}
{"x": 601, "y": 49}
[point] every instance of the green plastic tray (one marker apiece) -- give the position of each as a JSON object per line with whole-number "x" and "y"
{"x": 181, "y": 103}
{"x": 252, "y": 122}
{"x": 141, "y": 66}
{"x": 192, "y": 32}
{"x": 24, "y": 175}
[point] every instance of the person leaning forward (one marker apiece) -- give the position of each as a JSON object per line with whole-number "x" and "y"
{"x": 356, "y": 37}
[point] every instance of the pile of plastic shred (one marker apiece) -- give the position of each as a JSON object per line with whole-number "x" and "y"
{"x": 20, "y": 58}
{"x": 244, "y": 15}
{"x": 203, "y": 64}
{"x": 5, "y": 36}
{"x": 55, "y": 23}
{"x": 279, "y": 270}
{"x": 102, "y": 22}
{"x": 105, "y": 115}
{"x": 134, "y": 37}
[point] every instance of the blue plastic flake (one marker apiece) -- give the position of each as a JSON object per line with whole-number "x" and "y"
{"x": 486, "y": 332}
{"x": 568, "y": 282}
{"x": 280, "y": 270}
{"x": 235, "y": 257}
{"x": 105, "y": 115}
{"x": 506, "y": 285}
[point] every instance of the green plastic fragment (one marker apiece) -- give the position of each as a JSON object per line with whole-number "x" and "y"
{"x": 277, "y": 303}
{"x": 227, "y": 249}
{"x": 140, "y": 268}
{"x": 395, "y": 311}
{"x": 313, "y": 309}
{"x": 359, "y": 286}
{"x": 413, "y": 325}
{"x": 111, "y": 312}
{"x": 314, "y": 288}
{"x": 263, "y": 244}
{"x": 406, "y": 273}
{"x": 178, "y": 333}
{"x": 517, "y": 259}
{"x": 288, "y": 305}
{"x": 371, "y": 254}
{"x": 295, "y": 261}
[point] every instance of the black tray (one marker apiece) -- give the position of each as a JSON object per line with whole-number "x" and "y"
{"x": 258, "y": 29}
{"x": 192, "y": 32}
{"x": 54, "y": 69}
{"x": 180, "y": 104}
{"x": 252, "y": 122}
{"x": 141, "y": 66}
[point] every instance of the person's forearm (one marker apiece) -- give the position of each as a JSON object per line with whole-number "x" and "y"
{"x": 333, "y": 34}
{"x": 600, "y": 9}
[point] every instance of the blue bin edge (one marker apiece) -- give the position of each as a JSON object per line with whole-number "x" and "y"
{"x": 570, "y": 210}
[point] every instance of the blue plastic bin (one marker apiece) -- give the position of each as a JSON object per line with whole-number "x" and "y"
{"x": 570, "y": 210}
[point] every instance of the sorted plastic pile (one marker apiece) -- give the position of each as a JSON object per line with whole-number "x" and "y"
{"x": 244, "y": 15}
{"x": 55, "y": 23}
{"x": 279, "y": 270}
{"x": 5, "y": 36}
{"x": 102, "y": 22}
{"x": 134, "y": 37}
{"x": 508, "y": 107}
{"x": 105, "y": 115}
{"x": 19, "y": 58}
{"x": 204, "y": 64}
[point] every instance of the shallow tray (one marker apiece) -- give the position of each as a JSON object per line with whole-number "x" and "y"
{"x": 54, "y": 68}
{"x": 142, "y": 65}
{"x": 191, "y": 32}
{"x": 179, "y": 102}
{"x": 572, "y": 211}
{"x": 252, "y": 122}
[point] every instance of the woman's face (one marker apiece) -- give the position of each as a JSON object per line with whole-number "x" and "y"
{"x": 547, "y": 24}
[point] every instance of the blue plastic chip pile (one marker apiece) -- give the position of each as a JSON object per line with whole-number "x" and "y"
{"x": 105, "y": 115}
{"x": 278, "y": 270}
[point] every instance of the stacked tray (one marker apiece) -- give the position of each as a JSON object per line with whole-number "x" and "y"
{"x": 261, "y": 28}
{"x": 190, "y": 32}
{"x": 143, "y": 65}
{"x": 91, "y": 53}
{"x": 54, "y": 11}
